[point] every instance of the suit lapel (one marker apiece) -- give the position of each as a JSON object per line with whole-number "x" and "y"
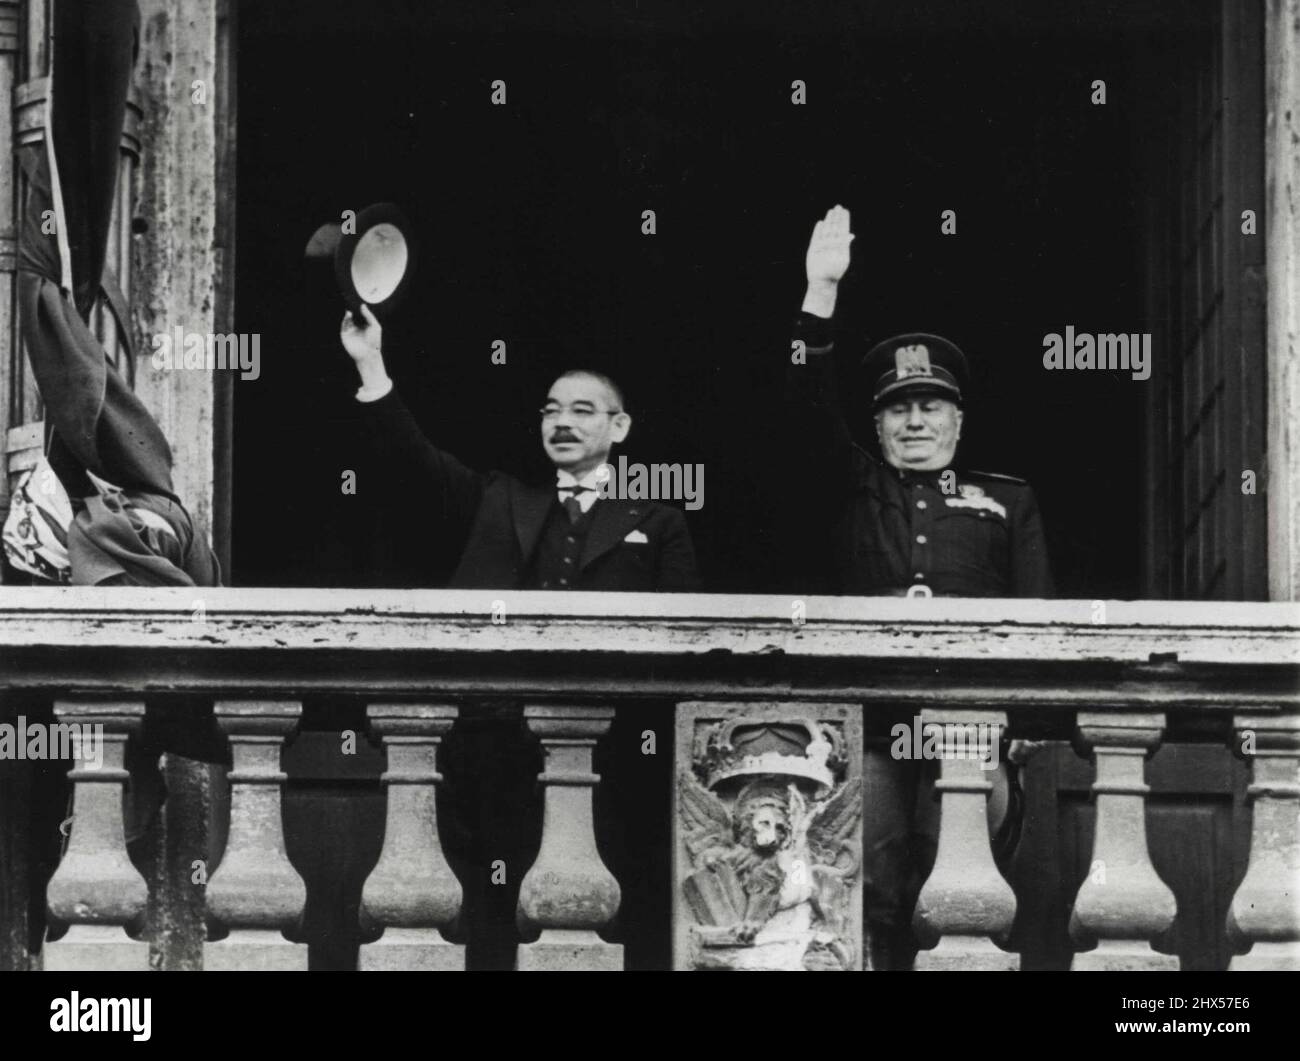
{"x": 529, "y": 506}
{"x": 611, "y": 520}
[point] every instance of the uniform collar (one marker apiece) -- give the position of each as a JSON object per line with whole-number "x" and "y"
{"x": 927, "y": 478}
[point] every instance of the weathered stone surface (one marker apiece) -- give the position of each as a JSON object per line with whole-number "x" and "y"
{"x": 1282, "y": 260}
{"x": 102, "y": 948}
{"x": 255, "y": 891}
{"x": 411, "y": 949}
{"x": 179, "y": 276}
{"x": 959, "y": 953}
{"x": 1265, "y": 912}
{"x": 412, "y": 892}
{"x": 1123, "y": 956}
{"x": 177, "y": 261}
{"x": 568, "y": 888}
{"x": 965, "y": 903}
{"x": 561, "y": 950}
{"x": 767, "y": 822}
{"x": 1268, "y": 958}
{"x": 160, "y": 623}
{"x": 96, "y": 884}
{"x": 182, "y": 838}
{"x": 254, "y": 950}
{"x": 1122, "y": 901}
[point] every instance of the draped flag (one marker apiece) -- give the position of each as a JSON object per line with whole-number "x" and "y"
{"x": 128, "y": 525}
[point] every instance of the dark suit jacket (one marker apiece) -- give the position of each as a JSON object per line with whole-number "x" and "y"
{"x": 502, "y": 519}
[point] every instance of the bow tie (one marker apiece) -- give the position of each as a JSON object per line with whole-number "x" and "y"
{"x": 576, "y": 488}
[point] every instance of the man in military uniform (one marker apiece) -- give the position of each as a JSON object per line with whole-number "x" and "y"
{"x": 910, "y": 524}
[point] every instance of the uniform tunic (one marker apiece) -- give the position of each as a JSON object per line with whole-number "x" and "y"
{"x": 959, "y": 533}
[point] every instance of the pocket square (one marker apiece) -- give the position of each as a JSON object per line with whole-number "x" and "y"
{"x": 637, "y": 537}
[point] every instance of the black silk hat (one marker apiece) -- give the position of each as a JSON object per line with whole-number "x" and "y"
{"x": 914, "y": 363}
{"x": 373, "y": 261}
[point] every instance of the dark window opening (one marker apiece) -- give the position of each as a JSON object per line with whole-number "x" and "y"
{"x": 529, "y": 217}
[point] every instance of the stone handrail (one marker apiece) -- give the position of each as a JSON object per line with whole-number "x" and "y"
{"x": 1216, "y": 654}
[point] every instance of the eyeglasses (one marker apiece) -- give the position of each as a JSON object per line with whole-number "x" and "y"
{"x": 579, "y": 411}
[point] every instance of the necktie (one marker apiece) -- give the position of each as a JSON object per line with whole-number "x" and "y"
{"x": 572, "y": 506}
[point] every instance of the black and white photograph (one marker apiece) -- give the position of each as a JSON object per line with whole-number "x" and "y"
{"x": 651, "y": 485}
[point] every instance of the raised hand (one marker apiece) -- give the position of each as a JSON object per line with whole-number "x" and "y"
{"x": 362, "y": 344}
{"x": 828, "y": 251}
{"x": 365, "y": 347}
{"x": 827, "y": 261}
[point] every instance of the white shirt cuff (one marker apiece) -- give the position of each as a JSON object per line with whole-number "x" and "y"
{"x": 373, "y": 394}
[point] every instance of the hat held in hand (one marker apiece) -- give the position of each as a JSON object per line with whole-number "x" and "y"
{"x": 373, "y": 260}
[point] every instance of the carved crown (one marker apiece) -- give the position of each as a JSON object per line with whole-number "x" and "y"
{"x": 801, "y": 749}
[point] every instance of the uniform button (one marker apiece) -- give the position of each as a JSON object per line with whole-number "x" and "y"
{"x": 920, "y": 504}
{"x": 546, "y": 585}
{"x": 921, "y": 539}
{"x": 568, "y": 559}
{"x": 919, "y": 576}
{"x": 564, "y": 582}
{"x": 918, "y": 486}
{"x": 570, "y": 539}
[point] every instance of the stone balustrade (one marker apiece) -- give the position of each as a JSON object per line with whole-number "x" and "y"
{"x": 255, "y": 893}
{"x": 765, "y": 794}
{"x": 965, "y": 902}
{"x": 568, "y": 893}
{"x": 1123, "y": 904}
{"x": 412, "y": 892}
{"x": 96, "y": 890}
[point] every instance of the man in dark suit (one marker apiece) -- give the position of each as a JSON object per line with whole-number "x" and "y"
{"x": 568, "y": 535}
{"x": 910, "y": 524}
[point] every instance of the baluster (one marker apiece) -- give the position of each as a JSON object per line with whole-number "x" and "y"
{"x": 96, "y": 889}
{"x": 1123, "y": 904}
{"x": 1265, "y": 912}
{"x": 965, "y": 900}
{"x": 412, "y": 891}
{"x": 255, "y": 891}
{"x": 568, "y": 893}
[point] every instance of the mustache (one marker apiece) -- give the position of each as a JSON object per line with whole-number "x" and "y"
{"x": 563, "y": 436}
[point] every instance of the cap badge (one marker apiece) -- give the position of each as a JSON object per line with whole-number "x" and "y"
{"x": 912, "y": 361}
{"x": 970, "y": 490}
